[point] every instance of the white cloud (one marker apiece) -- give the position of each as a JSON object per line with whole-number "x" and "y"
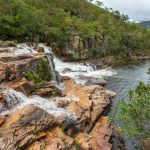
{"x": 137, "y": 10}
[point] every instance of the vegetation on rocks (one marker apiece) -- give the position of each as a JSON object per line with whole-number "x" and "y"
{"x": 135, "y": 114}
{"x": 55, "y": 22}
{"x": 41, "y": 73}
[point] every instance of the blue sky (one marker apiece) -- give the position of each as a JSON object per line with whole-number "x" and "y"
{"x": 138, "y": 10}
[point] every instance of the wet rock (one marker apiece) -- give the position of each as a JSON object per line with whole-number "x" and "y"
{"x": 16, "y": 69}
{"x": 99, "y": 64}
{"x": 55, "y": 140}
{"x": 47, "y": 89}
{"x": 66, "y": 101}
{"x": 10, "y": 57}
{"x": 92, "y": 102}
{"x": 86, "y": 102}
{"x": 67, "y": 70}
{"x": 100, "y": 100}
{"x": 99, "y": 137}
{"x": 32, "y": 127}
{"x": 110, "y": 93}
{"x": 82, "y": 141}
{"x": 22, "y": 85}
{"x": 7, "y": 44}
{"x": 6, "y": 103}
{"x": 22, "y": 129}
{"x": 55, "y": 144}
{"x": 96, "y": 81}
{"x": 64, "y": 78}
{"x": 40, "y": 50}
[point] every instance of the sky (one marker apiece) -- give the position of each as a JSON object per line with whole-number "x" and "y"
{"x": 137, "y": 10}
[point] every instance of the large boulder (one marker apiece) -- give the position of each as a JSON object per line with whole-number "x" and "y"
{"x": 55, "y": 140}
{"x": 16, "y": 69}
{"x": 99, "y": 137}
{"x": 89, "y": 104}
{"x": 47, "y": 89}
{"x": 22, "y": 85}
{"x": 25, "y": 126}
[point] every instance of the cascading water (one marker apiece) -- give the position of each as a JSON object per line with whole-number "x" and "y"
{"x": 48, "y": 51}
{"x": 78, "y": 71}
{"x": 17, "y": 100}
{"x": 121, "y": 83}
{"x": 22, "y": 49}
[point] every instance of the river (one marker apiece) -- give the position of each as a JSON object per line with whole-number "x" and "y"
{"x": 127, "y": 78}
{"x": 120, "y": 79}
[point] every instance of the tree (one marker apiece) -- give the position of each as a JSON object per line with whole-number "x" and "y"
{"x": 54, "y": 21}
{"x": 135, "y": 115}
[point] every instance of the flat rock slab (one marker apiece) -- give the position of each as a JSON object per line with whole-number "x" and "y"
{"x": 24, "y": 127}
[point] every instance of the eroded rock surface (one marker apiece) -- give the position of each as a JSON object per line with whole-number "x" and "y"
{"x": 25, "y": 126}
{"x": 32, "y": 126}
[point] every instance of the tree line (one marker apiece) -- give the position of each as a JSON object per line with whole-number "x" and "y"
{"x": 53, "y": 21}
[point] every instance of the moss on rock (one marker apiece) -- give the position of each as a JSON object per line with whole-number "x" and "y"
{"x": 41, "y": 73}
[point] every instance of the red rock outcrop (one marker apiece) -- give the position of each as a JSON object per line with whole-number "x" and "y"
{"x": 22, "y": 129}
{"x": 33, "y": 128}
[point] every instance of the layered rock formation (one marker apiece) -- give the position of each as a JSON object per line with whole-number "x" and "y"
{"x": 69, "y": 119}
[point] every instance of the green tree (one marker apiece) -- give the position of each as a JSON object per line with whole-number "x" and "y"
{"x": 135, "y": 115}
{"x": 54, "y": 21}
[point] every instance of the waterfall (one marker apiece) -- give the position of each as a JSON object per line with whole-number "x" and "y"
{"x": 50, "y": 60}
{"x": 17, "y": 100}
{"x": 78, "y": 71}
{"x": 49, "y": 53}
{"x": 81, "y": 71}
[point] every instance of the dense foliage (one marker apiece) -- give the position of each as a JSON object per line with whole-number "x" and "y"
{"x": 53, "y": 21}
{"x": 40, "y": 73}
{"x": 135, "y": 115}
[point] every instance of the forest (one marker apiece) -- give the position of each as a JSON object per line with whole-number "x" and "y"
{"x": 54, "y": 21}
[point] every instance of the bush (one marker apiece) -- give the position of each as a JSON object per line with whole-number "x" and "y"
{"x": 135, "y": 115}
{"x": 41, "y": 73}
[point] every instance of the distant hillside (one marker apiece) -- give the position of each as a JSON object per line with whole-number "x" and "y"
{"x": 146, "y": 23}
{"x": 72, "y": 26}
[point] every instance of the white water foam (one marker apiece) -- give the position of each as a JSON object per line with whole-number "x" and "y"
{"x": 48, "y": 51}
{"x": 23, "y": 49}
{"x": 78, "y": 70}
{"x": 19, "y": 100}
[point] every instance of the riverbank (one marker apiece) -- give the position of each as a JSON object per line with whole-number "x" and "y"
{"x": 114, "y": 61}
{"x": 54, "y": 119}
{"x": 77, "y": 104}
{"x": 127, "y": 78}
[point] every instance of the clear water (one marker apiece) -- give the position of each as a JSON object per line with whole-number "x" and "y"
{"x": 127, "y": 78}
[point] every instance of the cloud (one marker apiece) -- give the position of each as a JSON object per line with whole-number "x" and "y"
{"x": 137, "y": 10}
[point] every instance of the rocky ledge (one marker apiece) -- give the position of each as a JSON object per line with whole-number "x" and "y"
{"x": 53, "y": 119}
